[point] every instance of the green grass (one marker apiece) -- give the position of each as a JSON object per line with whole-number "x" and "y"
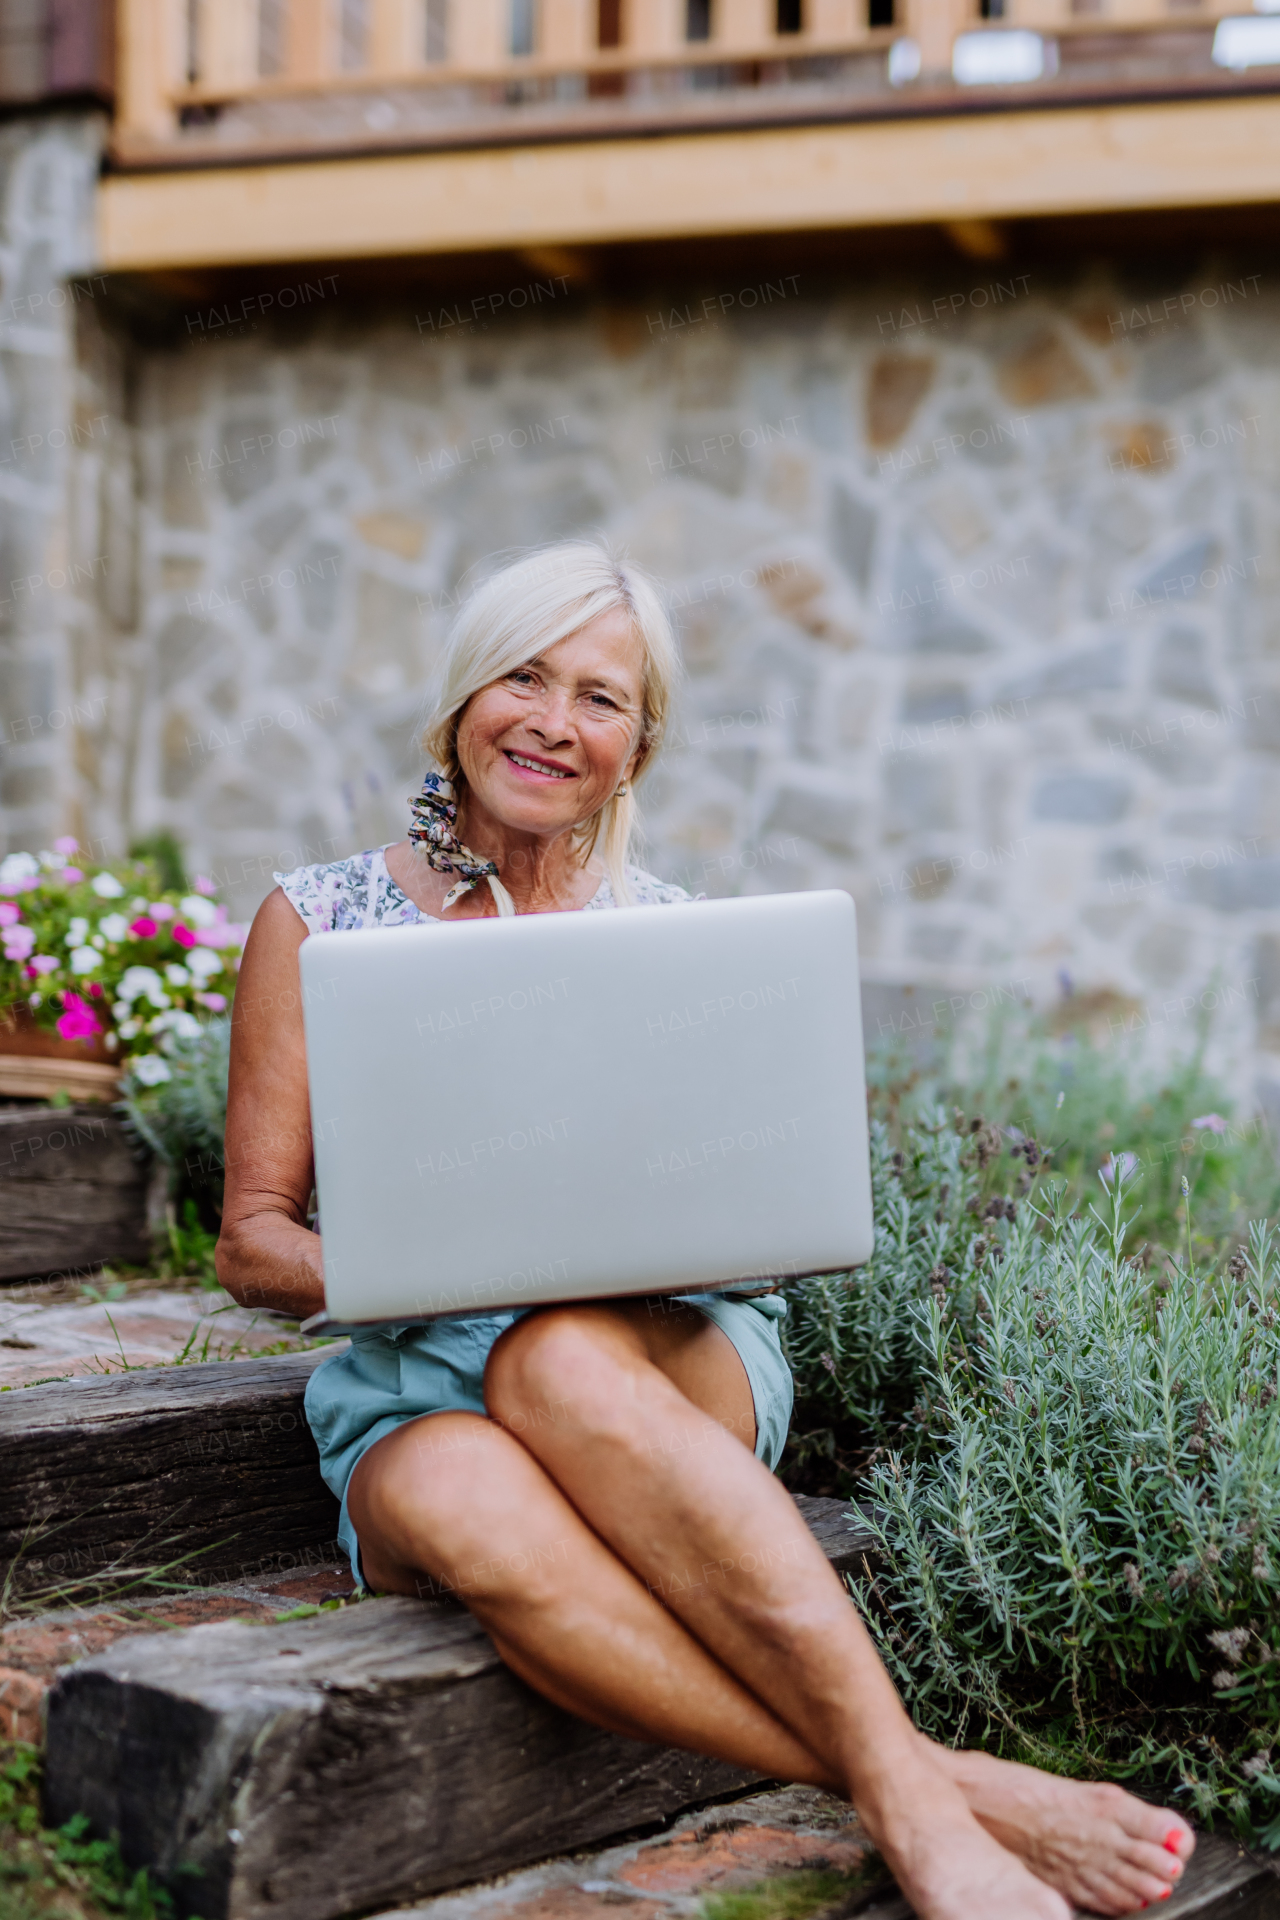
{"x": 58, "y": 1874}
{"x": 792, "y": 1896}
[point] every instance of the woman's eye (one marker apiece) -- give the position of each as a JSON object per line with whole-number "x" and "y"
{"x": 522, "y": 677}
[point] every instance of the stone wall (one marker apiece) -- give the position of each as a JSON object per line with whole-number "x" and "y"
{"x": 977, "y": 583}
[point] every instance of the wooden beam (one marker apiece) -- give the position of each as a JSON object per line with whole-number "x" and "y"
{"x": 311, "y": 1769}
{"x": 73, "y": 1193}
{"x": 214, "y": 1460}
{"x": 982, "y": 166}
{"x": 653, "y": 26}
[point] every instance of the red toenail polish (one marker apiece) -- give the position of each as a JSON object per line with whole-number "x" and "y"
{"x": 1166, "y": 1893}
{"x": 1172, "y": 1838}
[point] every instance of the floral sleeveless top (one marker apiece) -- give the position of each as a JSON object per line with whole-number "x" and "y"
{"x": 359, "y": 892}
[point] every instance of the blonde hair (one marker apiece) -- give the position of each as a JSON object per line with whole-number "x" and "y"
{"x": 518, "y": 613}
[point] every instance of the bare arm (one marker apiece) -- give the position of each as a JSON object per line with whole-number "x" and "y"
{"x": 267, "y": 1257}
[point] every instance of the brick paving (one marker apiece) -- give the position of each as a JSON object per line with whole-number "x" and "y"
{"x": 764, "y": 1841}
{"x": 39, "y": 1341}
{"x": 32, "y": 1651}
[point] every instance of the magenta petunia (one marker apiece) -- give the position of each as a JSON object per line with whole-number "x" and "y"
{"x": 78, "y": 1020}
{"x": 144, "y": 926}
{"x": 71, "y": 875}
{"x": 182, "y": 934}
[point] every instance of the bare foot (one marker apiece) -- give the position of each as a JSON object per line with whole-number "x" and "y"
{"x": 944, "y": 1863}
{"x": 1098, "y": 1845}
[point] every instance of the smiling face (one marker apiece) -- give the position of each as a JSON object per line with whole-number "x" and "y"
{"x": 544, "y": 747}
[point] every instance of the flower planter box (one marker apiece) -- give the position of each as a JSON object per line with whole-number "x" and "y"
{"x": 35, "y": 1065}
{"x": 73, "y": 1187}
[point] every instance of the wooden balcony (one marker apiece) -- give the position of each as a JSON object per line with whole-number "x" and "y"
{"x": 268, "y": 130}
{"x": 217, "y": 81}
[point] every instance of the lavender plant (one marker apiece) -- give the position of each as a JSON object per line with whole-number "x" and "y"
{"x": 1080, "y": 1516}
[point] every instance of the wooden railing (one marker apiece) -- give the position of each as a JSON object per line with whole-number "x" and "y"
{"x": 198, "y": 54}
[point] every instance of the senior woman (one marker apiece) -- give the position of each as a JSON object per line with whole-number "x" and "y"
{"x": 594, "y": 1481}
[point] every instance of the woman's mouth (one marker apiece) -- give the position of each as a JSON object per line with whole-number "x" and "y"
{"x": 539, "y": 769}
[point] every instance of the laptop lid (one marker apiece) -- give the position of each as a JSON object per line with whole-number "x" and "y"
{"x": 569, "y": 1106}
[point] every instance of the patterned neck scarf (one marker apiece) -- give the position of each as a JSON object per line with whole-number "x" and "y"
{"x": 435, "y": 831}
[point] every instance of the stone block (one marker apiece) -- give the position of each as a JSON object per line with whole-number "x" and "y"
{"x": 919, "y": 793}
{"x": 1082, "y": 799}
{"x": 1174, "y": 364}
{"x": 1042, "y": 371}
{"x": 1180, "y": 667}
{"x": 896, "y": 385}
{"x": 1235, "y": 888}
{"x": 1102, "y": 669}
{"x": 1164, "y": 953}
{"x": 817, "y": 811}
{"x": 1262, "y": 724}
{"x": 853, "y": 529}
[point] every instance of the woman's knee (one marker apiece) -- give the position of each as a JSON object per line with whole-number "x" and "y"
{"x": 429, "y": 1480}
{"x": 567, "y": 1367}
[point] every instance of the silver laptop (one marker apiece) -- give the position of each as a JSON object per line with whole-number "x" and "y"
{"x": 569, "y": 1106}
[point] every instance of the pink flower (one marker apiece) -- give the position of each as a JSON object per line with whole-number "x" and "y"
{"x": 1212, "y": 1122}
{"x": 161, "y": 910}
{"x": 144, "y": 926}
{"x": 9, "y": 914}
{"x": 95, "y": 988}
{"x": 182, "y": 934}
{"x": 78, "y": 1021}
{"x": 204, "y": 884}
{"x": 45, "y": 962}
{"x": 18, "y": 943}
{"x": 71, "y": 875}
{"x": 216, "y": 1002}
{"x": 66, "y": 845}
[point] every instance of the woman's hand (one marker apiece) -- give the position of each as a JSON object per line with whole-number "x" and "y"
{"x": 267, "y": 1256}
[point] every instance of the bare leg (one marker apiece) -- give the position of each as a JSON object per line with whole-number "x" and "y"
{"x": 445, "y": 1494}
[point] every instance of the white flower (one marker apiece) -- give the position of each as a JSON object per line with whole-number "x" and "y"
{"x": 17, "y": 866}
{"x": 98, "y": 942}
{"x": 150, "y": 1068}
{"x": 136, "y": 981}
{"x": 197, "y": 911}
{"x": 51, "y": 861}
{"x": 177, "y": 976}
{"x": 106, "y": 886}
{"x": 203, "y": 964}
{"x": 129, "y": 1029}
{"x": 110, "y": 1041}
{"x": 85, "y": 960}
{"x": 113, "y": 926}
{"x": 77, "y": 931}
{"x": 184, "y": 1026}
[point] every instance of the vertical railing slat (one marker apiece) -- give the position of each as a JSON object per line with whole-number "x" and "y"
{"x": 835, "y": 19}
{"x": 568, "y": 30}
{"x": 397, "y": 35}
{"x": 653, "y": 26}
{"x": 744, "y": 25}
{"x": 151, "y": 56}
{"x": 227, "y": 34}
{"x": 310, "y": 40}
{"x": 934, "y": 24}
{"x": 479, "y": 33}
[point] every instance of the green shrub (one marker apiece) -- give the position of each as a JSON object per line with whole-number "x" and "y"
{"x": 184, "y": 1119}
{"x": 1089, "y": 1100}
{"x": 1075, "y": 1466}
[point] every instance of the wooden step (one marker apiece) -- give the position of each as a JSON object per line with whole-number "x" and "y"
{"x": 73, "y": 1188}
{"x": 378, "y": 1753}
{"x": 148, "y": 1468}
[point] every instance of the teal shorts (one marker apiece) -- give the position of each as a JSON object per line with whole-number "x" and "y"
{"x": 400, "y": 1373}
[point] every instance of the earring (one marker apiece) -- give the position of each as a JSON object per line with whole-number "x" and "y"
{"x": 620, "y": 789}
